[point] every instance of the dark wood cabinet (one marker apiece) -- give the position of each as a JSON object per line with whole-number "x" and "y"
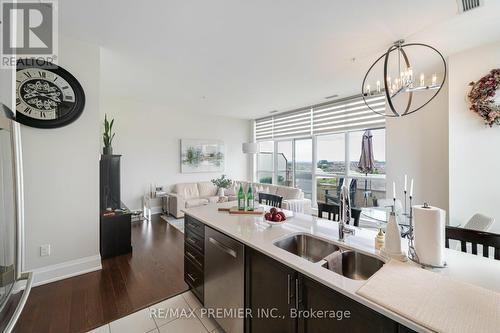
{"x": 299, "y": 302}
{"x": 314, "y": 296}
{"x": 115, "y": 234}
{"x": 269, "y": 293}
{"x": 194, "y": 256}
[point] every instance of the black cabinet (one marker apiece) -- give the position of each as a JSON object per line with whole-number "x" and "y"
{"x": 269, "y": 293}
{"x": 342, "y": 314}
{"x": 115, "y": 233}
{"x": 300, "y": 301}
{"x": 194, "y": 256}
{"x": 109, "y": 182}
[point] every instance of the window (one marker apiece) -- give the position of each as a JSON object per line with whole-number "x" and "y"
{"x": 303, "y": 166}
{"x": 265, "y": 162}
{"x": 313, "y": 148}
{"x": 330, "y": 154}
{"x": 284, "y": 163}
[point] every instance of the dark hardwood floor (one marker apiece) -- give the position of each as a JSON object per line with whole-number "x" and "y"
{"x": 151, "y": 273}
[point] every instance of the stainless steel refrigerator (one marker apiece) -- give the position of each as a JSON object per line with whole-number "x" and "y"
{"x": 14, "y": 285}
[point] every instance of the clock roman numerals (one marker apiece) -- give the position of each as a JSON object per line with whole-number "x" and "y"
{"x": 47, "y": 96}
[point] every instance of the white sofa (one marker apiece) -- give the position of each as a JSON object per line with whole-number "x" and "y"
{"x": 186, "y": 195}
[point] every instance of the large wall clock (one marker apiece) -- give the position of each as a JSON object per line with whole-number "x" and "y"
{"x": 47, "y": 96}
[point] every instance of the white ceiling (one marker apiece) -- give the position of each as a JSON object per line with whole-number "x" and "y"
{"x": 244, "y": 58}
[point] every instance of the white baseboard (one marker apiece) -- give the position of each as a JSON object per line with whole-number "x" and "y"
{"x": 66, "y": 270}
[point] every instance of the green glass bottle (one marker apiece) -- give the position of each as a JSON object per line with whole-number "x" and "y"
{"x": 241, "y": 198}
{"x": 250, "y": 199}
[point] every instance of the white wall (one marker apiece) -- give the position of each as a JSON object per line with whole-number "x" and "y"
{"x": 417, "y": 145}
{"x": 61, "y": 178}
{"x": 474, "y": 147}
{"x": 148, "y": 137}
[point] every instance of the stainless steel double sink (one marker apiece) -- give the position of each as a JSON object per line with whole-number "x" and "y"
{"x": 341, "y": 260}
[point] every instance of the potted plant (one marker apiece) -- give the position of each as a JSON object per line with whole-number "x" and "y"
{"x": 108, "y": 136}
{"x": 222, "y": 183}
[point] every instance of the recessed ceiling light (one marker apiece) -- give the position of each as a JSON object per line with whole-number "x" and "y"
{"x": 332, "y": 96}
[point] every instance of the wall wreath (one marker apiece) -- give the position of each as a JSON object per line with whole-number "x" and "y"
{"x": 485, "y": 97}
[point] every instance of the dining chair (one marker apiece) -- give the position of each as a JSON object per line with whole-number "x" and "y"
{"x": 333, "y": 210}
{"x": 475, "y": 237}
{"x": 270, "y": 199}
{"x": 480, "y": 222}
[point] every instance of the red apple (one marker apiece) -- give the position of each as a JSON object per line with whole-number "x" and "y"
{"x": 283, "y": 216}
{"x": 268, "y": 216}
{"x": 273, "y": 210}
{"x": 277, "y": 218}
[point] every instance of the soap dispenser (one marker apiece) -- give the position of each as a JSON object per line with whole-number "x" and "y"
{"x": 392, "y": 246}
{"x": 379, "y": 239}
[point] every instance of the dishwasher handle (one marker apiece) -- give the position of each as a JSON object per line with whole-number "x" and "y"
{"x": 223, "y": 247}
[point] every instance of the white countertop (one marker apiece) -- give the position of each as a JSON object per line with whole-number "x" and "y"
{"x": 254, "y": 232}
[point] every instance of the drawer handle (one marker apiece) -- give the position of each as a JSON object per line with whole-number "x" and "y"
{"x": 194, "y": 258}
{"x": 289, "y": 283}
{"x": 191, "y": 277}
{"x": 297, "y": 294}
{"x": 192, "y": 241}
{"x": 193, "y": 225}
{"x": 223, "y": 247}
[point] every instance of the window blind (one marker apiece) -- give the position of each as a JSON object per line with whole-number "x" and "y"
{"x": 349, "y": 115}
{"x": 346, "y": 115}
{"x": 264, "y": 129}
{"x": 293, "y": 124}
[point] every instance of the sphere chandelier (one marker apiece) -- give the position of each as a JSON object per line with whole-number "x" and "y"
{"x": 404, "y": 84}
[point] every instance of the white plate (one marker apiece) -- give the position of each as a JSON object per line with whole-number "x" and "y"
{"x": 274, "y": 223}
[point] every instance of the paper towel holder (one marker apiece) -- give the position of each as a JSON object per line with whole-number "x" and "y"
{"x": 412, "y": 254}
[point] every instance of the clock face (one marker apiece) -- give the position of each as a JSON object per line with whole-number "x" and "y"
{"x": 47, "y": 96}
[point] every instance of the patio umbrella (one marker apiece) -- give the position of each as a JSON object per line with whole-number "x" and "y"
{"x": 366, "y": 160}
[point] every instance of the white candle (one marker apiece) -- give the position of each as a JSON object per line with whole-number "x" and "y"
{"x": 422, "y": 80}
{"x": 394, "y": 190}
{"x": 411, "y": 188}
{"x": 410, "y": 74}
{"x": 368, "y": 89}
{"x": 406, "y": 183}
{"x": 378, "y": 86}
{"x": 434, "y": 79}
{"x": 388, "y": 81}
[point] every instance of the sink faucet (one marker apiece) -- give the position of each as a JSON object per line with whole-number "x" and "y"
{"x": 345, "y": 211}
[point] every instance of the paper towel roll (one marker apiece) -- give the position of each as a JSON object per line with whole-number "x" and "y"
{"x": 429, "y": 223}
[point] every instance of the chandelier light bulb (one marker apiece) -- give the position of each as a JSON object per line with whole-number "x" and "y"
{"x": 422, "y": 80}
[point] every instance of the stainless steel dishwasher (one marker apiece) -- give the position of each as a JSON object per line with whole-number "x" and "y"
{"x": 224, "y": 279}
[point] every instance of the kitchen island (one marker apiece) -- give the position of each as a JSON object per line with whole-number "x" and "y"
{"x": 259, "y": 238}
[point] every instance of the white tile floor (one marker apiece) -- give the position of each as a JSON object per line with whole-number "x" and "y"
{"x": 144, "y": 321}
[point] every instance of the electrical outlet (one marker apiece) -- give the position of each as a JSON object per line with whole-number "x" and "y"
{"x": 45, "y": 250}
